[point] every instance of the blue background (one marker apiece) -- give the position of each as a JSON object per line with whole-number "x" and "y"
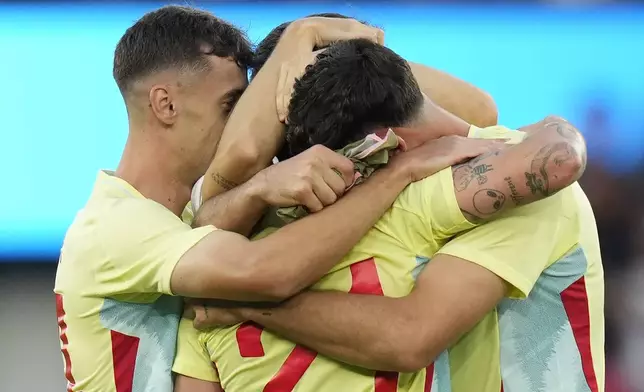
{"x": 63, "y": 118}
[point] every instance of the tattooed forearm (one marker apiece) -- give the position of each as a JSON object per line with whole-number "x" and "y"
{"x": 516, "y": 197}
{"x": 550, "y": 158}
{"x": 488, "y": 201}
{"x": 474, "y": 169}
{"x": 539, "y": 178}
{"x": 224, "y": 182}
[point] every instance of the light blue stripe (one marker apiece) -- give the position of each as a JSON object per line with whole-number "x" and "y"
{"x": 538, "y": 349}
{"x": 156, "y": 325}
{"x": 421, "y": 262}
{"x": 442, "y": 376}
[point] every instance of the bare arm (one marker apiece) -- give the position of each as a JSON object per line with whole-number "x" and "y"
{"x": 254, "y": 133}
{"x": 412, "y": 331}
{"x": 400, "y": 334}
{"x": 250, "y": 139}
{"x": 225, "y": 265}
{"x": 228, "y": 266}
{"x": 460, "y": 285}
{"x": 552, "y": 156}
{"x": 458, "y": 97}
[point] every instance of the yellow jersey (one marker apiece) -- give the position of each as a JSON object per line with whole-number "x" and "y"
{"x": 385, "y": 262}
{"x": 547, "y": 252}
{"x": 117, "y": 317}
{"x": 548, "y": 334}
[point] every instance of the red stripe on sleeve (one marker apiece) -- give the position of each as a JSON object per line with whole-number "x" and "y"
{"x": 365, "y": 280}
{"x": 62, "y": 328}
{"x": 575, "y": 302}
{"x": 429, "y": 378}
{"x": 124, "y": 350}
{"x": 249, "y": 340}
{"x": 291, "y": 371}
{"x": 386, "y": 382}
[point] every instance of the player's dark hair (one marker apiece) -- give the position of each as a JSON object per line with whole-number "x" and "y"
{"x": 176, "y": 37}
{"x": 351, "y": 89}
{"x": 268, "y": 44}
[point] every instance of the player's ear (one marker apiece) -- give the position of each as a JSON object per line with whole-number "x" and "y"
{"x": 163, "y": 104}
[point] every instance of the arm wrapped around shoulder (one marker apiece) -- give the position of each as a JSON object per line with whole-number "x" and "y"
{"x": 550, "y": 157}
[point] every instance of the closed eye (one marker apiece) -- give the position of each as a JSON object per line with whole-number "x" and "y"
{"x": 230, "y": 99}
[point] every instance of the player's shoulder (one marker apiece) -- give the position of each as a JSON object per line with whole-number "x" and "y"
{"x": 564, "y": 204}
{"x": 110, "y": 226}
{"x": 496, "y": 132}
{"x": 426, "y": 211}
{"x": 417, "y": 193}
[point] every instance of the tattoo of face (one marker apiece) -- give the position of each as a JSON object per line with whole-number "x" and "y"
{"x": 474, "y": 169}
{"x": 564, "y": 129}
{"x": 514, "y": 194}
{"x": 224, "y": 182}
{"x": 538, "y": 179}
{"x": 488, "y": 201}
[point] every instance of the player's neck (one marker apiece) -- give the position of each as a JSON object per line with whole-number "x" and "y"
{"x": 155, "y": 172}
{"x": 443, "y": 123}
{"x": 434, "y": 122}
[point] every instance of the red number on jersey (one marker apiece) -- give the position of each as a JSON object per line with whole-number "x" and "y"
{"x": 364, "y": 280}
{"x": 249, "y": 340}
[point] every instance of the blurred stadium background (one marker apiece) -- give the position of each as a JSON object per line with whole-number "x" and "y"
{"x": 62, "y": 119}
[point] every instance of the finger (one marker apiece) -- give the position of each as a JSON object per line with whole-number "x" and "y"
{"x": 189, "y": 312}
{"x": 473, "y": 150}
{"x": 335, "y": 182}
{"x": 200, "y": 314}
{"x": 342, "y": 166}
{"x": 380, "y": 37}
{"x": 286, "y": 98}
{"x": 201, "y": 324}
{"x": 341, "y": 35}
{"x": 324, "y": 192}
{"x": 306, "y": 197}
{"x": 280, "y": 92}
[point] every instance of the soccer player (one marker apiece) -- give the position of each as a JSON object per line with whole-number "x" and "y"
{"x": 351, "y": 88}
{"x": 242, "y": 154}
{"x": 128, "y": 254}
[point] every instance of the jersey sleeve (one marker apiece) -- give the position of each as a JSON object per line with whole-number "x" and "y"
{"x": 192, "y": 358}
{"x": 195, "y": 195}
{"x": 518, "y": 246}
{"x": 141, "y": 244}
{"x": 497, "y": 132}
{"x": 433, "y": 201}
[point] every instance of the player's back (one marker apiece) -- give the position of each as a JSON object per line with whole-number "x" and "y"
{"x": 116, "y": 320}
{"x": 547, "y": 334}
{"x": 564, "y": 311}
{"x": 385, "y": 262}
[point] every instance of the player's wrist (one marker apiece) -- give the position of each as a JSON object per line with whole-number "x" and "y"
{"x": 394, "y": 176}
{"x": 256, "y": 191}
{"x": 246, "y": 314}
